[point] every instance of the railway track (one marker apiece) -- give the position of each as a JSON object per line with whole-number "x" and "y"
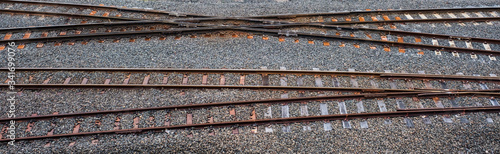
{"x": 370, "y": 95}
{"x": 245, "y": 78}
{"x": 387, "y": 40}
{"x": 343, "y": 101}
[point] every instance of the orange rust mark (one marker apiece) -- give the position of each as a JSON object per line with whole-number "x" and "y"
{"x": 62, "y": 33}
{"x": 296, "y": 41}
{"x": 131, "y": 40}
{"x": 310, "y": 42}
{"x": 250, "y": 37}
{"x": 384, "y": 38}
{"x": 386, "y": 17}
{"x": 368, "y": 35}
{"x": 71, "y": 43}
{"x": 232, "y": 112}
{"x": 210, "y": 119}
{"x": 177, "y": 38}
{"x": 373, "y": 47}
{"x": 47, "y": 145}
{"x": 101, "y": 4}
{"x": 92, "y": 31}
{"x": 222, "y": 35}
{"x": 361, "y": 19}
{"x": 7, "y": 36}
{"x": 147, "y": 39}
{"x": 85, "y": 42}
{"x": 342, "y": 44}
{"x": 222, "y": 80}
{"x": 420, "y": 53}
{"x": 108, "y": 30}
{"x": 105, "y": 14}
{"x": 123, "y": 29}
{"x": 281, "y": 39}
{"x": 242, "y": 80}
{"x": 435, "y": 99}
{"x": 325, "y": 43}
{"x": 321, "y": 20}
{"x": 101, "y": 41}
{"x": 26, "y": 35}
{"x": 374, "y": 18}
{"x": 21, "y": 46}
{"x": 401, "y": 50}
{"x": 57, "y": 44}
{"x": 418, "y": 39}
{"x": 393, "y": 27}
{"x": 146, "y": 80}
{"x": 234, "y": 35}
{"x": 93, "y": 13}
{"x": 107, "y": 81}
{"x": 400, "y": 39}
{"x": 2, "y": 47}
{"x": 253, "y": 116}
{"x": 189, "y": 119}
{"x": 347, "y": 19}
{"x": 207, "y": 35}
{"x": 78, "y": 32}
{"x": 136, "y": 122}
{"x": 118, "y": 15}
{"x": 162, "y": 38}
{"x": 76, "y": 129}
{"x": 380, "y": 27}
{"x": 265, "y": 37}
{"x": 334, "y": 20}
{"x": 352, "y": 35}
{"x": 51, "y": 132}
{"x": 356, "y": 45}
{"x": 386, "y": 48}
{"x": 337, "y": 33}
{"x": 204, "y": 79}
{"x": 44, "y": 34}
{"x": 193, "y": 36}
{"x": 368, "y": 9}
{"x": 67, "y": 81}
{"x": 83, "y": 22}
{"x": 30, "y": 126}
{"x": 398, "y": 18}
{"x": 116, "y": 41}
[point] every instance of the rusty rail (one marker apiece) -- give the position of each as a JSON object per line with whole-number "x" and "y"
{"x": 266, "y": 101}
{"x": 269, "y": 72}
{"x": 282, "y": 121}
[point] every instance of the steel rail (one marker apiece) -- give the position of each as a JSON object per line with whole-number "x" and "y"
{"x": 257, "y": 30}
{"x": 284, "y": 16}
{"x": 75, "y": 26}
{"x": 365, "y": 90}
{"x": 390, "y": 43}
{"x": 411, "y": 20}
{"x": 390, "y": 32}
{"x": 289, "y": 72}
{"x": 246, "y": 29}
{"x": 115, "y": 34}
{"x": 107, "y": 8}
{"x": 281, "y": 121}
{"x": 274, "y": 26}
{"x": 266, "y": 101}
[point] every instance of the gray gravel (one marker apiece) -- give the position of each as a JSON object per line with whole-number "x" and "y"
{"x": 472, "y": 135}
